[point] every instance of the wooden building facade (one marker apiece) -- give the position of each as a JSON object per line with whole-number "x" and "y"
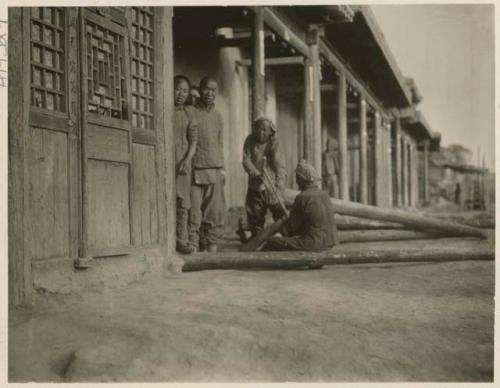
{"x": 318, "y": 72}
{"x": 90, "y": 150}
{"x": 91, "y": 159}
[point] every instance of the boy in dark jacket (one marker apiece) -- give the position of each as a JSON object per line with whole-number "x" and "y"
{"x": 311, "y": 225}
{"x": 261, "y": 151}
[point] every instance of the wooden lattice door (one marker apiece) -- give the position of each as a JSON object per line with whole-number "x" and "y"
{"x": 106, "y": 135}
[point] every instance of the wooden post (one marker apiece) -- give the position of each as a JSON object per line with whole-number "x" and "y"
{"x": 20, "y": 284}
{"x": 484, "y": 196}
{"x": 389, "y": 163}
{"x": 378, "y": 156}
{"x": 315, "y": 95}
{"x": 404, "y": 170}
{"x": 308, "y": 111}
{"x": 167, "y": 237}
{"x": 258, "y": 64}
{"x": 426, "y": 172}
{"x": 397, "y": 182}
{"x": 363, "y": 158}
{"x": 342, "y": 135}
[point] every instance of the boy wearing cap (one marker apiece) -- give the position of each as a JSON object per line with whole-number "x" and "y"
{"x": 261, "y": 151}
{"x": 311, "y": 225}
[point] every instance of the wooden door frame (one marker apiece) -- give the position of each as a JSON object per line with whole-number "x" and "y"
{"x": 19, "y": 277}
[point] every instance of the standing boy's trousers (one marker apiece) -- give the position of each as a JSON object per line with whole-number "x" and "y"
{"x": 208, "y": 207}
{"x": 257, "y": 202}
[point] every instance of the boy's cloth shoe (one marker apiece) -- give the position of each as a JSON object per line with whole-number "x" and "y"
{"x": 185, "y": 248}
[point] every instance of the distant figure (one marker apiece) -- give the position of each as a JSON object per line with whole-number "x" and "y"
{"x": 262, "y": 143}
{"x": 185, "y": 133}
{"x": 208, "y": 204}
{"x": 311, "y": 224}
{"x": 330, "y": 169}
{"x": 458, "y": 191}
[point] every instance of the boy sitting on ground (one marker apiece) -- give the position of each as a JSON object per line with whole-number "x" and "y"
{"x": 311, "y": 225}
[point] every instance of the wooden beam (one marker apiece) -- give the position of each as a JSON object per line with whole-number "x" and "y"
{"x": 363, "y": 154}
{"x": 258, "y": 80}
{"x": 279, "y": 25}
{"x": 258, "y": 240}
{"x": 334, "y": 256}
{"x": 295, "y": 89}
{"x": 328, "y": 87}
{"x": 385, "y": 235}
{"x": 344, "y": 222}
{"x": 397, "y": 181}
{"x": 350, "y": 105}
{"x": 280, "y": 61}
{"x": 342, "y": 135}
{"x": 331, "y": 57}
{"x": 246, "y": 33}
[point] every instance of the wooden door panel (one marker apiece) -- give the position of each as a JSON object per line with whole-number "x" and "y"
{"x": 108, "y": 207}
{"x": 145, "y": 213}
{"x": 47, "y": 193}
{"x": 49, "y": 153}
{"x": 106, "y": 143}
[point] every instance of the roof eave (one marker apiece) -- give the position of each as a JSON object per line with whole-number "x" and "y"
{"x": 379, "y": 38}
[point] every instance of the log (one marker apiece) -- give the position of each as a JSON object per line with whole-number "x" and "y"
{"x": 256, "y": 242}
{"x": 385, "y": 235}
{"x": 290, "y": 260}
{"x": 354, "y": 223}
{"x": 416, "y": 221}
{"x": 477, "y": 222}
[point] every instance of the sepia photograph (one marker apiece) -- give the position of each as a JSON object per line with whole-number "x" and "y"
{"x": 250, "y": 193}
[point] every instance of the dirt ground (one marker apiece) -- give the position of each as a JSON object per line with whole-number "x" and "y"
{"x": 398, "y": 322}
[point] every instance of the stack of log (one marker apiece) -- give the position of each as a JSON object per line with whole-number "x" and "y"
{"x": 356, "y": 223}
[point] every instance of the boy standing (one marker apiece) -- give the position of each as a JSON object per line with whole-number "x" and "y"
{"x": 186, "y": 133}
{"x": 262, "y": 145}
{"x": 330, "y": 168}
{"x": 207, "y": 191}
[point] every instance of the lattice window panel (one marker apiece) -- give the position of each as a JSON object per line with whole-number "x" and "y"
{"x": 105, "y": 72}
{"x": 47, "y": 37}
{"x": 142, "y": 67}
